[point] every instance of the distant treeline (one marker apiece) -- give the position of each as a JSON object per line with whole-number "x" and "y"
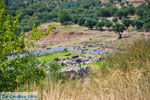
{"x": 77, "y": 11}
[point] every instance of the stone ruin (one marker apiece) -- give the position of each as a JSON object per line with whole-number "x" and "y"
{"x": 74, "y": 63}
{"x": 77, "y": 60}
{"x": 76, "y": 72}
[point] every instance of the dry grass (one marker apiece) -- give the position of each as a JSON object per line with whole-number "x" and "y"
{"x": 116, "y": 86}
{"x": 126, "y": 76}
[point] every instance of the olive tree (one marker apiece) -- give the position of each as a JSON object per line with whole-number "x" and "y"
{"x": 63, "y": 16}
{"x": 118, "y": 28}
{"x": 90, "y": 23}
{"x": 126, "y": 22}
{"x": 100, "y": 25}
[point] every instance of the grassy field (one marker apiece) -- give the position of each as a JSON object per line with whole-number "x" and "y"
{"x": 122, "y": 76}
{"x": 50, "y": 57}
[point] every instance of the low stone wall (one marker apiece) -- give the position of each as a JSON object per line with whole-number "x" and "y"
{"x": 76, "y": 72}
{"x": 77, "y": 60}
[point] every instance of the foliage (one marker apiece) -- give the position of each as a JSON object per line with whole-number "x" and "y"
{"x": 81, "y": 21}
{"x": 126, "y": 22}
{"x": 37, "y": 12}
{"x": 119, "y": 13}
{"x": 74, "y": 19}
{"x": 134, "y": 57}
{"x": 146, "y": 26}
{"x": 10, "y": 39}
{"x": 131, "y": 10}
{"x": 51, "y": 28}
{"x": 118, "y": 28}
{"x": 113, "y": 9}
{"x": 51, "y": 56}
{"x": 103, "y": 12}
{"x": 126, "y": 72}
{"x": 17, "y": 72}
{"x": 108, "y": 23}
{"x": 90, "y": 23}
{"x": 53, "y": 74}
{"x": 100, "y": 25}
{"x": 65, "y": 49}
{"x": 63, "y": 16}
{"x": 138, "y": 24}
{"x": 36, "y": 34}
{"x": 115, "y": 19}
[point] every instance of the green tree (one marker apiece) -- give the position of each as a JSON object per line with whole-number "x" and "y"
{"x": 90, "y": 23}
{"x": 81, "y": 21}
{"x": 126, "y": 22}
{"x": 146, "y": 26}
{"x": 63, "y": 16}
{"x": 74, "y": 19}
{"x": 132, "y": 22}
{"x": 108, "y": 23}
{"x": 100, "y": 25}
{"x": 119, "y": 13}
{"x": 122, "y": 4}
{"x": 115, "y": 19}
{"x": 113, "y": 9}
{"x": 131, "y": 10}
{"x": 138, "y": 24}
{"x": 118, "y": 28}
{"x": 140, "y": 11}
{"x": 103, "y": 12}
{"x": 17, "y": 71}
{"x": 10, "y": 39}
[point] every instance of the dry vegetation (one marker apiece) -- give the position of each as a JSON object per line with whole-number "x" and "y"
{"x": 124, "y": 76}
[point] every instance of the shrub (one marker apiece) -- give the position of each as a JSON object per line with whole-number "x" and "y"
{"x": 100, "y": 25}
{"x": 81, "y": 21}
{"x": 90, "y": 23}
{"x": 65, "y": 49}
{"x": 115, "y": 19}
{"x": 126, "y": 22}
{"x": 108, "y": 23}
{"x": 138, "y": 24}
{"x": 51, "y": 28}
{"x": 53, "y": 74}
{"x": 118, "y": 28}
{"x": 17, "y": 72}
{"x": 63, "y": 16}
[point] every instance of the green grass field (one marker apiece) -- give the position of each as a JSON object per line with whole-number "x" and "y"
{"x": 50, "y": 57}
{"x": 60, "y": 55}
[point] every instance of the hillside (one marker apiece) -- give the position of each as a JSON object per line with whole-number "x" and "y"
{"x": 75, "y": 49}
{"x": 39, "y": 12}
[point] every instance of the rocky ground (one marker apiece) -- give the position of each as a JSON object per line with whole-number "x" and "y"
{"x": 77, "y": 60}
{"x": 80, "y": 39}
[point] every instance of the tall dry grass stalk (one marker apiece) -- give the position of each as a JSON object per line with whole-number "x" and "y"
{"x": 116, "y": 86}
{"x": 130, "y": 82}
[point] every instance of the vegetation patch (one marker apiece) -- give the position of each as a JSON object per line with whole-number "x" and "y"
{"x": 60, "y": 55}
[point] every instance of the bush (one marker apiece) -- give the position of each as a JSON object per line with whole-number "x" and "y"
{"x": 126, "y": 22}
{"x": 108, "y": 23}
{"x": 100, "y": 25}
{"x": 17, "y": 72}
{"x": 65, "y": 49}
{"x": 104, "y": 12}
{"x": 115, "y": 19}
{"x": 138, "y": 24}
{"x": 53, "y": 74}
{"x": 63, "y": 16}
{"x": 118, "y": 28}
{"x": 90, "y": 23}
{"x": 81, "y": 21}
